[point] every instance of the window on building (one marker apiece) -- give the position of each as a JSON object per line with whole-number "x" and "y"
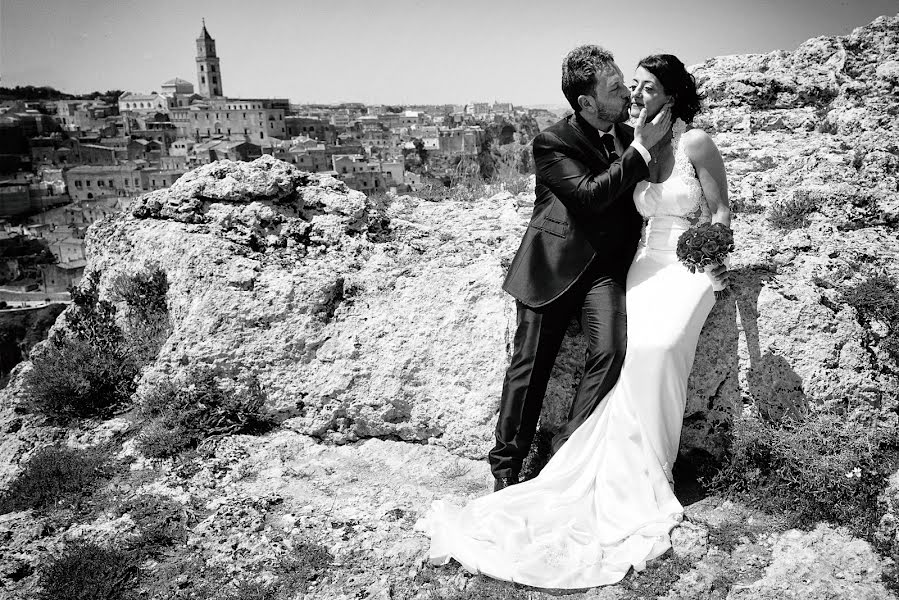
{"x": 215, "y": 79}
{"x": 110, "y": 183}
{"x": 261, "y": 135}
{"x": 88, "y": 182}
{"x": 245, "y": 115}
{"x": 153, "y": 182}
{"x": 212, "y": 69}
{"x": 136, "y": 181}
{"x": 77, "y": 183}
{"x": 202, "y": 79}
{"x": 202, "y": 68}
{"x": 101, "y": 183}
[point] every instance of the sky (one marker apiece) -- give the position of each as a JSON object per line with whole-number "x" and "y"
{"x": 392, "y": 51}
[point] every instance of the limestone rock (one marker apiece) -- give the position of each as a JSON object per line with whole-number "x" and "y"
{"x": 819, "y": 564}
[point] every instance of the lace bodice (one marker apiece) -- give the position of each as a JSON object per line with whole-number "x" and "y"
{"x": 678, "y": 200}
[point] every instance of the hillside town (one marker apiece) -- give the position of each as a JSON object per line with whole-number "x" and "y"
{"x": 65, "y": 163}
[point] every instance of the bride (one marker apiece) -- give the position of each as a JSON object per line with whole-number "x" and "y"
{"x": 605, "y": 502}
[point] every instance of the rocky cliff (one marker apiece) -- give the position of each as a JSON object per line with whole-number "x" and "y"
{"x": 379, "y": 335}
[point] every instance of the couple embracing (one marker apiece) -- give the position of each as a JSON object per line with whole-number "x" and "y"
{"x": 604, "y": 503}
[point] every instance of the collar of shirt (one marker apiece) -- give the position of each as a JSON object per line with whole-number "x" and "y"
{"x": 592, "y": 131}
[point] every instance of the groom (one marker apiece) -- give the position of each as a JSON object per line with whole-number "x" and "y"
{"x": 576, "y": 251}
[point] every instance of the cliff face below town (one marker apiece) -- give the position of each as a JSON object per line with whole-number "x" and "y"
{"x": 379, "y": 333}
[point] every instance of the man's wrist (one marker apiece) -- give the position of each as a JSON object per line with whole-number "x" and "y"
{"x": 643, "y": 151}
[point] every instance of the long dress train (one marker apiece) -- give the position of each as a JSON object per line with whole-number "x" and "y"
{"x": 604, "y": 503}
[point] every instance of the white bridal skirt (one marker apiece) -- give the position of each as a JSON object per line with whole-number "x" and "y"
{"x": 604, "y": 503}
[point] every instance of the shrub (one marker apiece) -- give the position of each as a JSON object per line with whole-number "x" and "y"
{"x": 86, "y": 571}
{"x": 147, "y": 315}
{"x": 875, "y": 299}
{"x": 55, "y": 475}
{"x": 71, "y": 379}
{"x": 657, "y": 579}
{"x": 85, "y": 369}
{"x": 466, "y": 181}
{"x": 160, "y": 520}
{"x": 144, "y": 291}
{"x": 186, "y": 411}
{"x": 792, "y": 212}
{"x": 827, "y": 467}
{"x": 307, "y": 563}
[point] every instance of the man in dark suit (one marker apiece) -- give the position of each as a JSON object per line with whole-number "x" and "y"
{"x": 576, "y": 251}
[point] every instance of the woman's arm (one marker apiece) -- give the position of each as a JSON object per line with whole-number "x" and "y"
{"x": 709, "y": 165}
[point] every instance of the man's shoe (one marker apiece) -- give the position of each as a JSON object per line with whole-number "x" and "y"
{"x": 504, "y": 482}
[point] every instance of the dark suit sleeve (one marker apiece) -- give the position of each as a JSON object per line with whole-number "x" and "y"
{"x": 583, "y": 192}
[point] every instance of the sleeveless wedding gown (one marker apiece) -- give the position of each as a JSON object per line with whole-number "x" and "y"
{"x": 604, "y": 503}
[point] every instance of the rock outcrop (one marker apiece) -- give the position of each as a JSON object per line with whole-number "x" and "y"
{"x": 379, "y": 333}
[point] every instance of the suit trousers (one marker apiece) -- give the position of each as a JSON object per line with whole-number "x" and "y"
{"x": 600, "y": 299}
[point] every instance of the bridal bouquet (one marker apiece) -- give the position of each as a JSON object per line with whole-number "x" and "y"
{"x": 705, "y": 245}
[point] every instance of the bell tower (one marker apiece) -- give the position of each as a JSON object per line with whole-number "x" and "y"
{"x": 209, "y": 76}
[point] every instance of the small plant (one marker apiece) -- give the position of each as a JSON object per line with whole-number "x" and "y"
{"x": 183, "y": 412}
{"x": 875, "y": 299}
{"x": 792, "y": 212}
{"x": 72, "y": 379}
{"x": 87, "y": 571}
{"x": 657, "y": 579}
{"x": 248, "y": 589}
{"x": 144, "y": 291}
{"x": 85, "y": 369}
{"x": 55, "y": 475}
{"x": 144, "y": 295}
{"x": 308, "y": 562}
{"x": 160, "y": 520}
{"x": 827, "y": 467}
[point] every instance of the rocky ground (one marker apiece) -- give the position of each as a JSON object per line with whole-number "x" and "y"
{"x": 379, "y": 334}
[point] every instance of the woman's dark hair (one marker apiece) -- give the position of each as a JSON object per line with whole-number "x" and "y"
{"x": 678, "y": 82}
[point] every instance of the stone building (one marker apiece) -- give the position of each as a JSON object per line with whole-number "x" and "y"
{"x": 460, "y": 140}
{"x": 87, "y": 182}
{"x": 218, "y": 149}
{"x": 209, "y": 74}
{"x": 254, "y": 119}
{"x": 313, "y": 127}
{"x": 143, "y": 104}
{"x": 156, "y": 179}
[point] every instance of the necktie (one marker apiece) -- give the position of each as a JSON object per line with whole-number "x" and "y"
{"x": 608, "y": 141}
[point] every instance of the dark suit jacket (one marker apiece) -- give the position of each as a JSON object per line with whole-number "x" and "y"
{"x": 584, "y": 211}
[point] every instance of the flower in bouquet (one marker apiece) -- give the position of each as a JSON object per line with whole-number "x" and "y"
{"x": 705, "y": 245}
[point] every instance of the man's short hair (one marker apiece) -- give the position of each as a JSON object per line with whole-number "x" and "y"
{"x": 578, "y": 71}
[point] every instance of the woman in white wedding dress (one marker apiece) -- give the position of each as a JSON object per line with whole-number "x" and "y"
{"x": 605, "y": 503}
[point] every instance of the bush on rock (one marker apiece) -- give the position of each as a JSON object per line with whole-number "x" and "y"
{"x": 184, "y": 411}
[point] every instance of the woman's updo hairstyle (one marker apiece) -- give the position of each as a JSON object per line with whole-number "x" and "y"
{"x": 678, "y": 82}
